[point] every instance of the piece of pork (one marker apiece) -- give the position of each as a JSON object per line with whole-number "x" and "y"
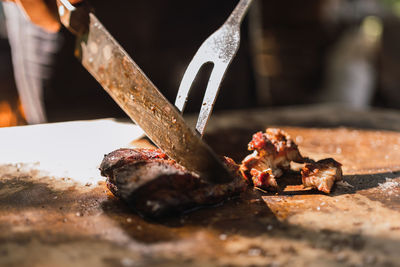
{"x": 155, "y": 186}
{"x": 322, "y": 174}
{"x": 273, "y": 152}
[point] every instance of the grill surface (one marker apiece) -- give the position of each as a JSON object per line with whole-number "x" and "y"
{"x": 51, "y": 221}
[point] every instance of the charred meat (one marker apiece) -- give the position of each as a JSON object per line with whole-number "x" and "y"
{"x": 124, "y": 156}
{"x": 322, "y": 174}
{"x": 272, "y": 153}
{"x": 155, "y": 185}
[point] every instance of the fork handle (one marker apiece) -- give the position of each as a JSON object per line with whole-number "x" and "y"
{"x": 238, "y": 13}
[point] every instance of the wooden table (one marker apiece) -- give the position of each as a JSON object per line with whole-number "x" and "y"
{"x": 61, "y": 221}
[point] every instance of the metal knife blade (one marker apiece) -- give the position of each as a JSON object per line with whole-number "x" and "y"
{"x": 126, "y": 83}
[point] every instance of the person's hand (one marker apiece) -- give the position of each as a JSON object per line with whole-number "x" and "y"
{"x": 42, "y": 13}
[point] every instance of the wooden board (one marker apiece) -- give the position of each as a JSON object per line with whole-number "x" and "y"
{"x": 48, "y": 221}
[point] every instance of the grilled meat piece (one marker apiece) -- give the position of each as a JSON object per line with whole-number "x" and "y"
{"x": 124, "y": 156}
{"x": 322, "y": 174}
{"x": 273, "y": 152}
{"x": 154, "y": 185}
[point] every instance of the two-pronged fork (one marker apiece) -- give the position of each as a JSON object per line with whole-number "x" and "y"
{"x": 219, "y": 49}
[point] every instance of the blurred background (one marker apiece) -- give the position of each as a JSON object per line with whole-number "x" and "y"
{"x": 343, "y": 52}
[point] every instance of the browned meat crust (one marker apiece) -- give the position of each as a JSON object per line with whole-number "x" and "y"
{"x": 322, "y": 174}
{"x": 123, "y": 156}
{"x": 273, "y": 152}
{"x": 156, "y": 186}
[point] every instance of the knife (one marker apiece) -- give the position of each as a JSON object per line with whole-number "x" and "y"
{"x": 126, "y": 83}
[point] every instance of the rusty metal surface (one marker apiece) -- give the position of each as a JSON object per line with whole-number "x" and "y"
{"x": 133, "y": 91}
{"x": 53, "y": 222}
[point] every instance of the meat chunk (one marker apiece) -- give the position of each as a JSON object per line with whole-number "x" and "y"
{"x": 321, "y": 174}
{"x": 123, "y": 156}
{"x": 154, "y": 185}
{"x": 273, "y": 152}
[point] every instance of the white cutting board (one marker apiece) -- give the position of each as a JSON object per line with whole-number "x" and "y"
{"x": 67, "y": 149}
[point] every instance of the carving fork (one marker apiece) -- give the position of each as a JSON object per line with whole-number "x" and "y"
{"x": 219, "y": 48}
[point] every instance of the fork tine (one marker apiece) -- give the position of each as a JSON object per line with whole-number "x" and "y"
{"x": 210, "y": 96}
{"x": 187, "y": 80}
{"x": 219, "y": 48}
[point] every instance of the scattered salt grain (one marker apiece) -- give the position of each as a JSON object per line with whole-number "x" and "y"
{"x": 127, "y": 262}
{"x": 254, "y": 252}
{"x": 341, "y": 257}
{"x": 389, "y": 186}
{"x": 223, "y": 236}
{"x": 299, "y": 139}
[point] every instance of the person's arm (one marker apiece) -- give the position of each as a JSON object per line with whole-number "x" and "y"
{"x": 32, "y": 29}
{"x": 42, "y": 13}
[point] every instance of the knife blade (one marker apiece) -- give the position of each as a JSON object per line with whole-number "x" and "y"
{"x": 133, "y": 91}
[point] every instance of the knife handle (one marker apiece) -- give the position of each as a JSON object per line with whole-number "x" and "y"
{"x": 74, "y": 17}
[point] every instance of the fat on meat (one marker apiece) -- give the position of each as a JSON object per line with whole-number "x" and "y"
{"x": 321, "y": 174}
{"x": 272, "y": 153}
{"x": 156, "y": 186}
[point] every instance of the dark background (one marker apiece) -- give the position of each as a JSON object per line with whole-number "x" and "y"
{"x": 285, "y": 60}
